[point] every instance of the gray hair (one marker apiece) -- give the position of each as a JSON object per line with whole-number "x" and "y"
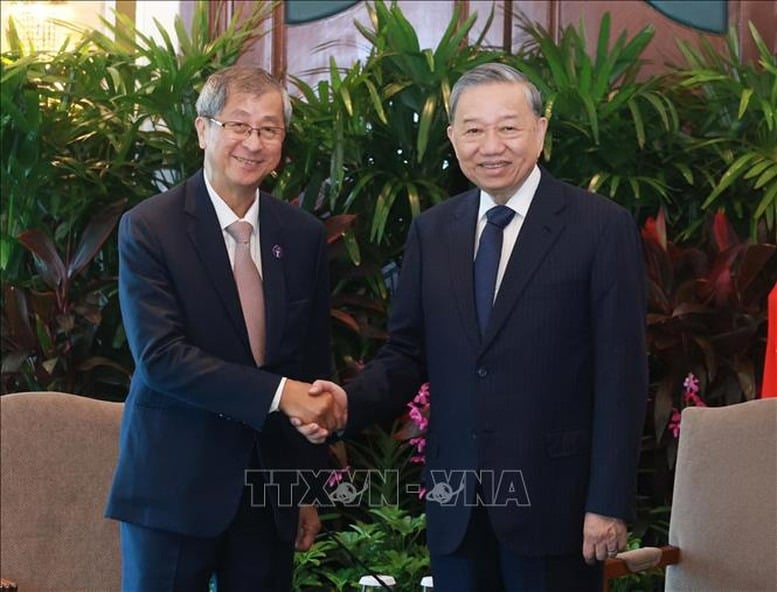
{"x": 495, "y": 73}
{"x": 240, "y": 79}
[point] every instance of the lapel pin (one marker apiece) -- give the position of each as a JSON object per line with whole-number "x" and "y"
{"x": 277, "y": 251}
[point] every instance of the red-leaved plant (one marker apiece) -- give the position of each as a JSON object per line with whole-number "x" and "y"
{"x": 706, "y": 313}
{"x": 706, "y": 322}
{"x": 49, "y": 326}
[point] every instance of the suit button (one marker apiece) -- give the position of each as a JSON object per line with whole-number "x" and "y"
{"x": 482, "y": 372}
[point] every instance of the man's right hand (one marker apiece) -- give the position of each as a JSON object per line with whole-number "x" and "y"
{"x": 319, "y": 409}
{"x": 316, "y": 432}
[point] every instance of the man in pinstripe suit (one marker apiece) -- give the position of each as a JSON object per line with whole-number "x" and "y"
{"x": 536, "y": 407}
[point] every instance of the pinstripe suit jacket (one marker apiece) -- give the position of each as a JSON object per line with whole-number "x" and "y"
{"x": 546, "y": 409}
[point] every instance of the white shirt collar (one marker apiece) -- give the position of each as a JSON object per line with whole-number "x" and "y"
{"x": 225, "y": 214}
{"x": 519, "y": 201}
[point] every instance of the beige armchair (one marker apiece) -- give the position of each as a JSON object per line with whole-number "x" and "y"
{"x": 723, "y": 526}
{"x": 57, "y": 459}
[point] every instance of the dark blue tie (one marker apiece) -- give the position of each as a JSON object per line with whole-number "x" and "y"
{"x": 487, "y": 262}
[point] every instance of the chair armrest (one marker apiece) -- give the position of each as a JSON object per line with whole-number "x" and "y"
{"x": 7, "y": 585}
{"x": 639, "y": 560}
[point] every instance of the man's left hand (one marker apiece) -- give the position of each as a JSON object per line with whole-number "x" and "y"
{"x": 308, "y": 526}
{"x": 603, "y": 537}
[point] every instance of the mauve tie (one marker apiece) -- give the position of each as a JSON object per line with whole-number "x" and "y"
{"x": 249, "y": 287}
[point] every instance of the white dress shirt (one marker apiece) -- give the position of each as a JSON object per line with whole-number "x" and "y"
{"x": 226, "y": 217}
{"x": 519, "y": 202}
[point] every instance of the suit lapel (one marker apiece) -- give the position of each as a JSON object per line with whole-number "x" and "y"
{"x": 208, "y": 242}
{"x": 273, "y": 236}
{"x": 462, "y": 253}
{"x": 540, "y": 230}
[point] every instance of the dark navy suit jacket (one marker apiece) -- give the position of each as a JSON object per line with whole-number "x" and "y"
{"x": 546, "y": 409}
{"x": 198, "y": 405}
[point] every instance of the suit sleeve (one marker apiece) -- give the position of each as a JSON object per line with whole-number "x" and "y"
{"x": 166, "y": 361}
{"x": 393, "y": 377}
{"x": 621, "y": 377}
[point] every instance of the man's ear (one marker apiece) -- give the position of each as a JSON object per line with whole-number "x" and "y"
{"x": 542, "y": 129}
{"x": 451, "y": 139}
{"x": 201, "y": 126}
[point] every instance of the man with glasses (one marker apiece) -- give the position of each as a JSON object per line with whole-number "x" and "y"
{"x": 224, "y": 295}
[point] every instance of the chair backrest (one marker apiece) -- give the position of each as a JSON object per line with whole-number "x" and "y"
{"x": 58, "y": 455}
{"x": 724, "y": 507}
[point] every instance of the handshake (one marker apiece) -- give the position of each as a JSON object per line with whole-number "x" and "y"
{"x": 316, "y": 410}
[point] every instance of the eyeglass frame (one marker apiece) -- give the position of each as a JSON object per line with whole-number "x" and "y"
{"x": 228, "y": 126}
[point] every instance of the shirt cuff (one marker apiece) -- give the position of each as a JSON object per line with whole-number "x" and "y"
{"x": 276, "y": 400}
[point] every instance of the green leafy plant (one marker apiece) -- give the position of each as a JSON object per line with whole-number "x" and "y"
{"x": 381, "y": 125}
{"x": 379, "y": 449}
{"x": 370, "y": 142}
{"x": 606, "y": 120}
{"x": 384, "y": 532}
{"x": 389, "y": 542}
{"x": 730, "y": 112}
{"x": 160, "y": 84}
{"x": 112, "y": 117}
{"x": 57, "y": 142}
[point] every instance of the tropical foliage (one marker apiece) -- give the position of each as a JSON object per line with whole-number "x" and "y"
{"x": 390, "y": 541}
{"x": 606, "y": 122}
{"x": 730, "y": 112}
{"x": 370, "y": 142}
{"x": 377, "y": 524}
{"x": 109, "y": 119}
{"x": 692, "y": 152}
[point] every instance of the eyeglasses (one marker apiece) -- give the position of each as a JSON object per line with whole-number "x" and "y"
{"x": 242, "y": 131}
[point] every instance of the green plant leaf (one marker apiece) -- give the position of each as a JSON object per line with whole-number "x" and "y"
{"x": 602, "y": 49}
{"x": 365, "y": 178}
{"x": 427, "y": 118}
{"x": 769, "y": 199}
{"x": 639, "y": 125}
{"x": 744, "y": 101}
{"x": 376, "y": 102}
{"x": 414, "y": 199}
{"x": 767, "y": 175}
{"x": 352, "y": 246}
{"x": 385, "y": 201}
{"x": 732, "y": 174}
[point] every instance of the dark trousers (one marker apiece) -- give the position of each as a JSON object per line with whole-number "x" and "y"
{"x": 483, "y": 564}
{"x": 248, "y": 557}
